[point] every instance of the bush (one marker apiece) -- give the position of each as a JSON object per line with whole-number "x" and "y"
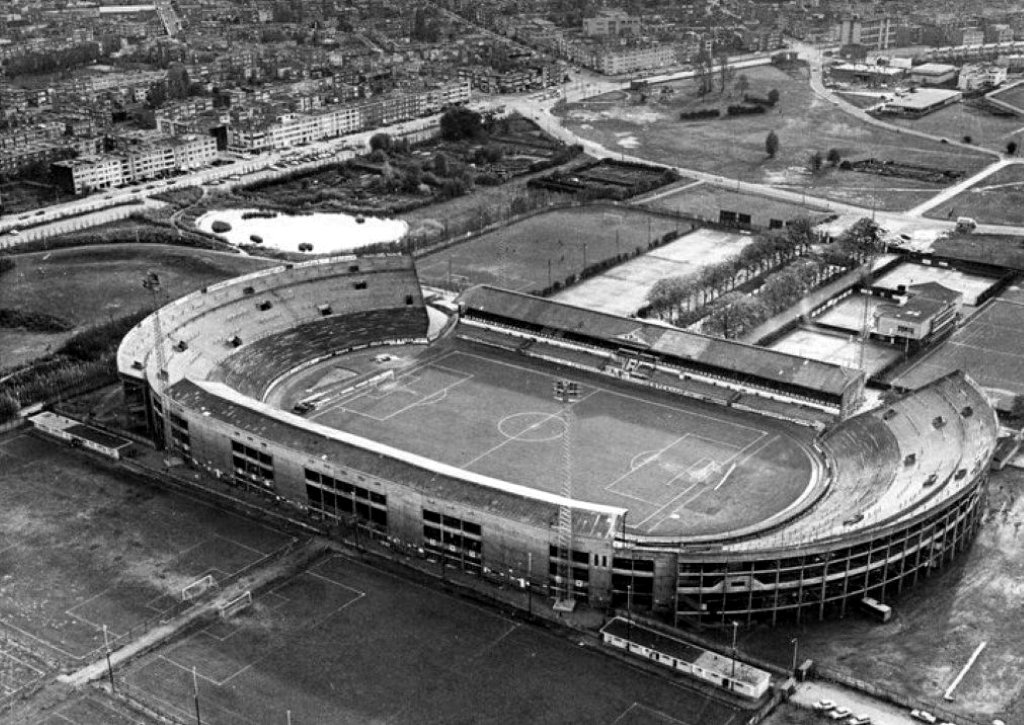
{"x": 700, "y": 114}
{"x": 7, "y": 263}
{"x": 741, "y": 110}
{"x": 93, "y": 343}
{"x": 8, "y": 407}
{"x": 845, "y": 165}
{"x": 219, "y": 226}
{"x": 256, "y": 239}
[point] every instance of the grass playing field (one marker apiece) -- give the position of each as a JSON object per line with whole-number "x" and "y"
{"x": 680, "y": 467}
{"x": 564, "y": 241}
{"x": 344, "y": 643}
{"x": 990, "y": 348}
{"x": 81, "y": 548}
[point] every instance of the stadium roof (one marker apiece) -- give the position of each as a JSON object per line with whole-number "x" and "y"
{"x": 337, "y": 449}
{"x": 737, "y": 357}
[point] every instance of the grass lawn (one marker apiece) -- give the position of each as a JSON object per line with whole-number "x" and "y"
{"x": 563, "y": 241}
{"x": 1003, "y": 250}
{"x": 663, "y": 461}
{"x": 344, "y": 643}
{"x": 960, "y": 120}
{"x": 706, "y": 201}
{"x": 735, "y": 147}
{"x": 996, "y": 199}
{"x": 103, "y": 550}
{"x": 88, "y": 285}
{"x": 1014, "y": 96}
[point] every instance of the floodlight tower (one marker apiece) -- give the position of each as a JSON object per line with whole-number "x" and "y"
{"x": 566, "y": 392}
{"x": 152, "y": 283}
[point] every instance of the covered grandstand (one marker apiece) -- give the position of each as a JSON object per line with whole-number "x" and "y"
{"x": 892, "y": 494}
{"x": 748, "y": 368}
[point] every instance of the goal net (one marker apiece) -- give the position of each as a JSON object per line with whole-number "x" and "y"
{"x": 236, "y": 605}
{"x": 197, "y": 588}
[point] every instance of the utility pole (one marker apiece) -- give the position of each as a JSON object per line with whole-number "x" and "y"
{"x": 566, "y": 392}
{"x": 735, "y": 626}
{"x": 195, "y": 695}
{"x": 110, "y": 668}
{"x": 152, "y": 283}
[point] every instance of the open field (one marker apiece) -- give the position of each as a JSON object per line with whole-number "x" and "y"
{"x": 622, "y": 290}
{"x": 936, "y": 627}
{"x": 89, "y": 285}
{"x": 547, "y": 247}
{"x": 344, "y": 643}
{"x": 1014, "y": 96}
{"x": 82, "y": 547}
{"x": 996, "y": 199}
{"x": 959, "y": 120}
{"x": 681, "y": 467}
{"x": 989, "y": 347}
{"x": 735, "y": 148}
{"x": 706, "y": 201}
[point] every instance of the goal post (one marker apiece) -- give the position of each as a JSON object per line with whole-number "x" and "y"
{"x": 240, "y": 603}
{"x": 198, "y": 588}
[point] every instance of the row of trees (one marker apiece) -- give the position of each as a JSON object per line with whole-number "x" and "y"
{"x": 679, "y": 296}
{"x": 735, "y": 314}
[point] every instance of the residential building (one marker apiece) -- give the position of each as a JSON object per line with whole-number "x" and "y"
{"x": 876, "y": 32}
{"x": 611, "y": 23}
{"x": 980, "y": 75}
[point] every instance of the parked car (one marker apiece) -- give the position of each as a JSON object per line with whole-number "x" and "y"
{"x": 859, "y": 720}
{"x": 840, "y": 713}
{"x": 824, "y": 705}
{"x": 924, "y": 716}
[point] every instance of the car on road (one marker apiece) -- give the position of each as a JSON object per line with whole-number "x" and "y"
{"x": 14, "y": 232}
{"x": 840, "y": 713}
{"x": 40, "y": 213}
{"x": 924, "y": 716}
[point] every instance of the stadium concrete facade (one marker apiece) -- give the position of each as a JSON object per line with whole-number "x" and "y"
{"x": 895, "y": 493}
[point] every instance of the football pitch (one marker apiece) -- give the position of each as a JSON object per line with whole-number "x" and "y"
{"x": 989, "y": 348}
{"x": 345, "y": 643}
{"x": 679, "y": 466}
{"x": 80, "y": 550}
{"x": 545, "y": 248}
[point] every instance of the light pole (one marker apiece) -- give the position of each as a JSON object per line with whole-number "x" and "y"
{"x": 735, "y": 627}
{"x": 110, "y": 669}
{"x": 629, "y": 613}
{"x": 529, "y": 578}
{"x": 795, "y": 644}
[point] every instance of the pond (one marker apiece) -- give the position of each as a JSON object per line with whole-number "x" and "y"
{"x": 327, "y": 233}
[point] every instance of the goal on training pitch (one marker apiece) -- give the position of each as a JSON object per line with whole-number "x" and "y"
{"x": 198, "y": 587}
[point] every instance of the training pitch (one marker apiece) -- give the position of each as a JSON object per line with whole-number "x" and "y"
{"x": 545, "y": 248}
{"x": 989, "y": 348}
{"x": 345, "y": 643}
{"x": 681, "y": 467}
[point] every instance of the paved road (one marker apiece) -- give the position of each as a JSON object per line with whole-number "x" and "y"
{"x": 880, "y": 712}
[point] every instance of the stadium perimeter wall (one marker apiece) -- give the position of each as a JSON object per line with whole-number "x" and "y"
{"x": 877, "y": 543}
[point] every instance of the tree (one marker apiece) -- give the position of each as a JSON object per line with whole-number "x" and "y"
{"x": 862, "y": 239}
{"x": 771, "y": 144}
{"x": 460, "y": 123}
{"x": 177, "y": 82}
{"x": 774, "y": 96}
{"x": 834, "y": 157}
{"x": 1011, "y": 148}
{"x": 725, "y": 74}
{"x": 440, "y": 166}
{"x": 742, "y": 84}
{"x": 815, "y": 161}
{"x": 381, "y": 142}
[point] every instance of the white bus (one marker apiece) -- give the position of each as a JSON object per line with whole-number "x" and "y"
{"x": 881, "y": 612}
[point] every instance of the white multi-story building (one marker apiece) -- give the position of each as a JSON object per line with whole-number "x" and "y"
{"x": 980, "y": 75}
{"x": 616, "y": 61}
{"x": 878, "y": 32}
{"x": 146, "y": 161}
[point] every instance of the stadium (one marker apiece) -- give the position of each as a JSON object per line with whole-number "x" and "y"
{"x": 700, "y": 480}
